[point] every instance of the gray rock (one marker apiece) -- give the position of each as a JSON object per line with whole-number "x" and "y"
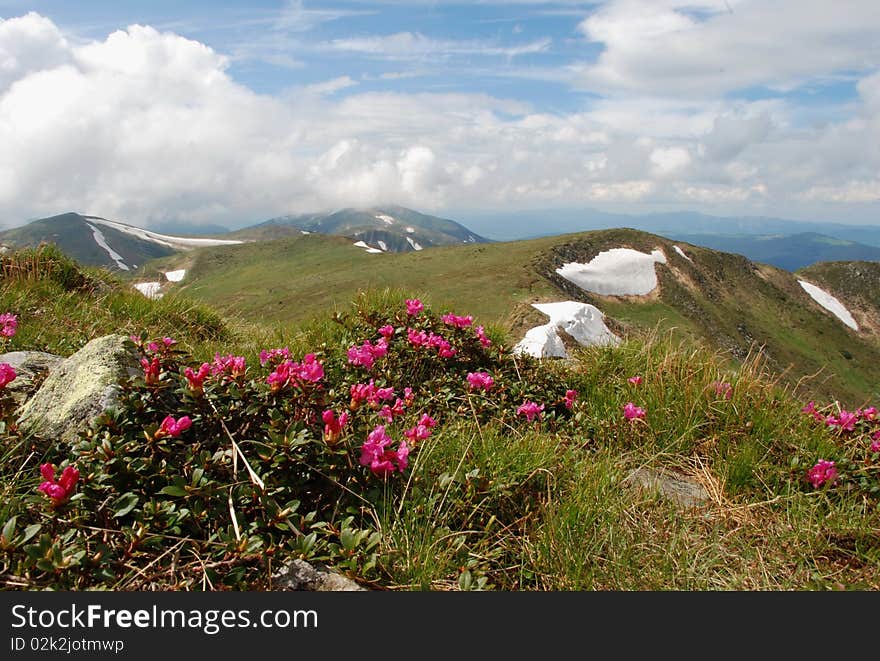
{"x": 676, "y": 488}
{"x": 30, "y": 368}
{"x": 79, "y": 389}
{"x": 300, "y": 575}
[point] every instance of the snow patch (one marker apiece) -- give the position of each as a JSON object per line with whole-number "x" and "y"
{"x": 304, "y": 232}
{"x": 175, "y": 276}
{"x": 582, "y": 321}
{"x": 681, "y": 252}
{"x": 360, "y": 244}
{"x": 101, "y": 240}
{"x": 382, "y": 245}
{"x": 414, "y": 244}
{"x": 410, "y": 230}
{"x": 149, "y": 289}
{"x": 162, "y": 239}
{"x": 830, "y": 303}
{"x": 374, "y": 251}
{"x": 388, "y": 220}
{"x": 616, "y": 272}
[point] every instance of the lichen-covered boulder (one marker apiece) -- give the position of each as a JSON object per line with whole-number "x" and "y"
{"x": 30, "y": 369}
{"x": 300, "y": 575}
{"x": 79, "y": 389}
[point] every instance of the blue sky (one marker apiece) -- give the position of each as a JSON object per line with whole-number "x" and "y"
{"x": 233, "y": 111}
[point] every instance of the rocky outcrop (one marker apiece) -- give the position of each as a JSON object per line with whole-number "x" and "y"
{"x": 679, "y": 490}
{"x": 79, "y": 389}
{"x": 31, "y": 368}
{"x": 300, "y": 575}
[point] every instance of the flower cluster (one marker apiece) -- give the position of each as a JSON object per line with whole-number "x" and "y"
{"x": 414, "y": 306}
{"x": 722, "y": 389}
{"x": 196, "y": 380}
{"x": 570, "y": 396}
{"x": 274, "y": 356}
{"x": 824, "y": 472}
{"x": 369, "y": 393}
{"x": 422, "y": 430}
{"x": 7, "y": 374}
{"x": 8, "y": 324}
{"x": 228, "y": 366}
{"x": 378, "y": 456}
{"x": 633, "y": 412}
{"x": 431, "y": 341}
{"x": 530, "y": 410}
{"x": 333, "y": 426}
{"x": 456, "y": 321}
{"x": 366, "y": 354}
{"x": 58, "y": 490}
{"x": 289, "y": 372}
{"x": 172, "y": 428}
{"x": 480, "y": 380}
{"x": 151, "y": 370}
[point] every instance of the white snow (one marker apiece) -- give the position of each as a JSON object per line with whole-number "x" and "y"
{"x": 415, "y": 244}
{"x": 175, "y": 276}
{"x": 582, "y": 321}
{"x": 830, "y": 303}
{"x": 162, "y": 239}
{"x": 102, "y": 241}
{"x": 616, "y": 272}
{"x": 410, "y": 230}
{"x": 383, "y": 246}
{"x": 360, "y": 244}
{"x": 388, "y": 220}
{"x": 304, "y": 232}
{"x": 373, "y": 251}
{"x": 681, "y": 252}
{"x": 149, "y": 289}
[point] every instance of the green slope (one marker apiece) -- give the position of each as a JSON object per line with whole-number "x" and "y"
{"x": 720, "y": 299}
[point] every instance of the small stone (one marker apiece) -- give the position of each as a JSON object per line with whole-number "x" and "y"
{"x": 300, "y": 575}
{"x": 676, "y": 488}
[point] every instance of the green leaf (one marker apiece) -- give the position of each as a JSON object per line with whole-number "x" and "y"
{"x": 8, "y": 531}
{"x": 197, "y": 476}
{"x": 124, "y": 504}
{"x": 173, "y": 491}
{"x": 30, "y": 531}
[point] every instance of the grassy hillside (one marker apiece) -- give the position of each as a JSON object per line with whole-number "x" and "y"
{"x": 723, "y": 300}
{"x": 487, "y": 499}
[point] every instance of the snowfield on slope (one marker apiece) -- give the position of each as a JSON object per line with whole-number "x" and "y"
{"x": 616, "y": 272}
{"x": 178, "y": 242}
{"x": 582, "y": 321}
{"x": 175, "y": 276}
{"x": 101, "y": 240}
{"x": 830, "y": 303}
{"x": 149, "y": 289}
{"x": 681, "y": 252}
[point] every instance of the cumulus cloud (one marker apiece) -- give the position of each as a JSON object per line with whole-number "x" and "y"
{"x": 148, "y": 126}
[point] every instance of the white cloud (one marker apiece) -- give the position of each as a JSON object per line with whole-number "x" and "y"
{"x": 147, "y": 126}
{"x": 663, "y": 47}
{"x": 414, "y": 45}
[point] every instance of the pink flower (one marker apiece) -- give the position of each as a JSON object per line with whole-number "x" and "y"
{"x": 416, "y": 338}
{"x": 333, "y": 426}
{"x": 875, "y": 445}
{"x": 59, "y": 490}
{"x": 810, "y": 408}
{"x": 380, "y": 459}
{"x": 822, "y": 473}
{"x": 274, "y": 355}
{"x": 570, "y": 396}
{"x": 635, "y": 380}
{"x": 387, "y": 331}
{"x": 408, "y": 396}
{"x": 723, "y": 389}
{"x": 530, "y": 410}
{"x": 151, "y": 370}
{"x": 167, "y": 343}
{"x": 391, "y": 412}
{"x": 845, "y": 420}
{"x": 196, "y": 380}
{"x": 869, "y": 413}
{"x": 633, "y": 412}
{"x": 456, "y": 321}
{"x": 310, "y": 369}
{"x": 7, "y": 374}
{"x": 8, "y": 324}
{"x": 414, "y": 306}
{"x": 233, "y": 366}
{"x": 172, "y": 427}
{"x": 481, "y": 334}
{"x": 366, "y": 354}
{"x": 422, "y": 430}
{"x": 480, "y": 380}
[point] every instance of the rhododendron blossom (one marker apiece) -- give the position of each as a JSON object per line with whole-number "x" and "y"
{"x": 723, "y": 389}
{"x": 7, "y": 374}
{"x": 380, "y": 459}
{"x": 167, "y": 343}
{"x": 456, "y": 321}
{"x": 875, "y": 445}
{"x": 310, "y": 369}
{"x": 416, "y": 338}
{"x": 422, "y": 430}
{"x": 366, "y": 354}
{"x": 59, "y": 490}
{"x": 288, "y": 372}
{"x": 8, "y": 324}
{"x": 386, "y": 331}
{"x": 870, "y": 413}
{"x": 481, "y": 334}
{"x": 843, "y": 421}
{"x": 824, "y": 472}
{"x": 633, "y": 412}
{"x": 151, "y": 370}
{"x": 196, "y": 380}
{"x": 530, "y": 409}
{"x": 635, "y": 380}
{"x": 274, "y": 356}
{"x": 570, "y": 396}
{"x": 369, "y": 393}
{"x": 230, "y": 365}
{"x": 333, "y": 426}
{"x": 172, "y": 427}
{"x": 414, "y": 306}
{"x": 481, "y": 380}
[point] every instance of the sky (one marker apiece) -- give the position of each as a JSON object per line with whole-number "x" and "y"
{"x": 234, "y": 112}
